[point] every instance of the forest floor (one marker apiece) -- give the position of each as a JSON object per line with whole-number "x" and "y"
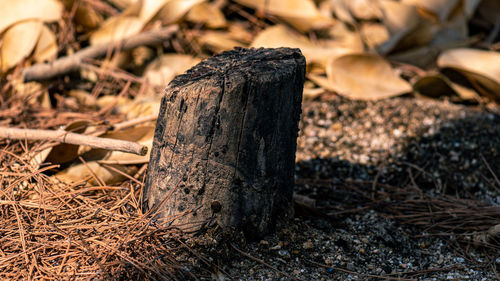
{"x": 399, "y": 189}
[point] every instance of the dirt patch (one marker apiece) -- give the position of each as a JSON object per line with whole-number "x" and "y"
{"x": 396, "y": 189}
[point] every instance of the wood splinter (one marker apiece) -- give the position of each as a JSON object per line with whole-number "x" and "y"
{"x": 225, "y": 140}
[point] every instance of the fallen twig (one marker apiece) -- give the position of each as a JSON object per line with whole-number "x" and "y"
{"x": 42, "y": 71}
{"x": 73, "y": 138}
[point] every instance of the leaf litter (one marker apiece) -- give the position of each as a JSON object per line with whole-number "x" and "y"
{"x": 75, "y": 212}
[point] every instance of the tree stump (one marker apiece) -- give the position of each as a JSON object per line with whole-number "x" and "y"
{"x": 224, "y": 147}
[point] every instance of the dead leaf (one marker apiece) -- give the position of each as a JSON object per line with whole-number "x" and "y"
{"x": 141, "y": 134}
{"x": 400, "y": 20}
{"x": 423, "y": 57}
{"x": 93, "y": 173}
{"x": 33, "y": 93}
{"x": 116, "y": 28}
{"x": 481, "y": 67}
{"x": 364, "y": 9}
{"x": 339, "y": 8}
{"x": 84, "y": 98}
{"x": 122, "y": 4}
{"x": 437, "y": 85}
{"x": 302, "y": 14}
{"x": 342, "y": 36}
{"x": 61, "y": 153}
{"x": 282, "y": 36}
{"x": 140, "y": 106}
{"x": 365, "y": 77}
{"x": 150, "y": 8}
{"x": 321, "y": 81}
{"x": 218, "y": 41}
{"x": 18, "y": 42}
{"x": 85, "y": 14}
{"x": 374, "y": 34}
{"x": 174, "y": 10}
{"x": 448, "y": 35}
{"x": 20, "y": 10}
{"x": 98, "y": 161}
{"x": 163, "y": 69}
{"x": 46, "y": 48}
{"x": 208, "y": 14}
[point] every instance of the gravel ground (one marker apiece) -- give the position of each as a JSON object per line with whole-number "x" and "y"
{"x": 439, "y": 147}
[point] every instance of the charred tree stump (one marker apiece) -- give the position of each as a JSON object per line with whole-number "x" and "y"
{"x": 224, "y": 147}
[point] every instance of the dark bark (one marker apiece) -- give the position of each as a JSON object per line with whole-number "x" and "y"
{"x": 225, "y": 140}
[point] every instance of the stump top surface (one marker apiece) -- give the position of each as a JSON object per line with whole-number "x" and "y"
{"x": 240, "y": 60}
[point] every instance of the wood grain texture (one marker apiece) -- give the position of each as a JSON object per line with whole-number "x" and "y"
{"x": 225, "y": 140}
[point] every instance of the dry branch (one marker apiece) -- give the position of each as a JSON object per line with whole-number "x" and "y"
{"x": 42, "y": 71}
{"x": 73, "y": 138}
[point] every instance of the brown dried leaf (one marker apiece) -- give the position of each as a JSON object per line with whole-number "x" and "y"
{"x": 365, "y": 77}
{"x": 208, "y": 14}
{"x": 63, "y": 152}
{"x": 46, "y": 48}
{"x": 85, "y": 14}
{"x": 141, "y": 134}
{"x": 219, "y": 41}
{"x": 481, "y": 67}
{"x": 116, "y": 28}
{"x": 302, "y": 14}
{"x": 150, "y": 8}
{"x": 339, "y": 8}
{"x": 364, "y": 9}
{"x": 20, "y": 10}
{"x": 437, "y": 85}
{"x": 282, "y": 36}
{"x": 409, "y": 30}
{"x": 163, "y": 69}
{"x": 374, "y": 34}
{"x": 98, "y": 161}
{"x": 174, "y": 10}
{"x": 18, "y": 42}
{"x": 93, "y": 173}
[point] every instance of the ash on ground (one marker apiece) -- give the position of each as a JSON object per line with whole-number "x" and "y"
{"x": 434, "y": 146}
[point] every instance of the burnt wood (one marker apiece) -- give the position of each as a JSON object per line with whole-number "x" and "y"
{"x": 224, "y": 147}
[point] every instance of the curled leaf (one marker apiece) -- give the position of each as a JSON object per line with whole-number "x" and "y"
{"x": 437, "y": 85}
{"x": 219, "y": 41}
{"x": 116, "y": 28}
{"x": 19, "y": 41}
{"x": 46, "y": 48}
{"x": 482, "y": 68}
{"x": 302, "y": 14}
{"x": 174, "y": 10}
{"x": 208, "y": 14}
{"x": 365, "y": 77}
{"x": 364, "y": 9}
{"x": 163, "y": 69}
{"x": 20, "y": 10}
{"x": 400, "y": 20}
{"x": 150, "y": 8}
{"x": 281, "y": 36}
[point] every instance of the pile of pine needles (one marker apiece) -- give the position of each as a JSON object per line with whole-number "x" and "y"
{"x": 53, "y": 231}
